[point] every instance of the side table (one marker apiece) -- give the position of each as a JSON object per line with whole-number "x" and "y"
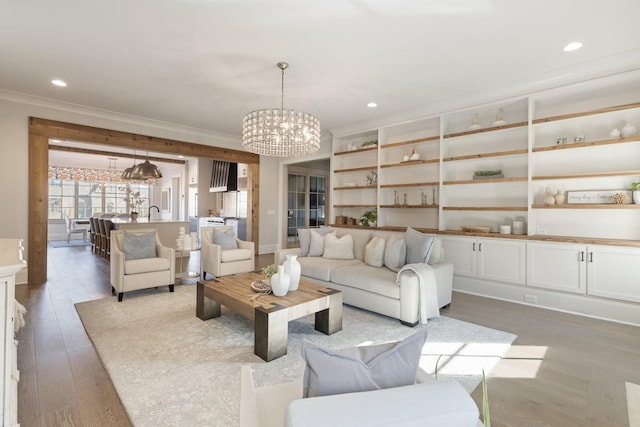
{"x": 182, "y": 275}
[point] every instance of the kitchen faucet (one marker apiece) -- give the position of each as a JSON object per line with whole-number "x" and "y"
{"x": 150, "y": 207}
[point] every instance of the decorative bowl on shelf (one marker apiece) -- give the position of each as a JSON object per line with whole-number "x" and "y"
{"x": 476, "y": 228}
{"x": 499, "y": 123}
{"x": 475, "y": 126}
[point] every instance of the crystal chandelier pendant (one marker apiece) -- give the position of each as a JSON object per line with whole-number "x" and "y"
{"x": 281, "y": 132}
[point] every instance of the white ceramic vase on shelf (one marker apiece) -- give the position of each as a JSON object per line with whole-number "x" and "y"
{"x": 628, "y": 131}
{"x": 293, "y": 269}
{"x": 280, "y": 282}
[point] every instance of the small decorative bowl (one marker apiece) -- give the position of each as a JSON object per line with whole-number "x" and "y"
{"x": 260, "y": 286}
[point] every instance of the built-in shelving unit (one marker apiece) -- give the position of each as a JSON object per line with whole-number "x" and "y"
{"x": 516, "y": 136}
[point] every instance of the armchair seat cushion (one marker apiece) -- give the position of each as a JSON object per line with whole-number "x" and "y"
{"x": 146, "y": 265}
{"x": 231, "y": 255}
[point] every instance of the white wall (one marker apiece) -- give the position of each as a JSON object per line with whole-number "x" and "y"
{"x": 15, "y": 111}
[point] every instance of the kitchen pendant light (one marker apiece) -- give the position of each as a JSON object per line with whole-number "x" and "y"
{"x": 128, "y": 172}
{"x": 146, "y": 170}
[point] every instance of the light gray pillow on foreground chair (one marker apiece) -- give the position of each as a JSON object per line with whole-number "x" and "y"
{"x": 218, "y": 261}
{"x": 139, "y": 261}
{"x": 441, "y": 403}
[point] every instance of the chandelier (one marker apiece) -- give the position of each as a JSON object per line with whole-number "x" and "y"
{"x": 141, "y": 171}
{"x": 281, "y": 132}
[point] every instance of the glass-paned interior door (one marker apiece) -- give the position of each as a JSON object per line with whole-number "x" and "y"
{"x": 306, "y": 204}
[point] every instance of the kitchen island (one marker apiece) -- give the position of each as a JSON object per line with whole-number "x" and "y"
{"x": 168, "y": 230}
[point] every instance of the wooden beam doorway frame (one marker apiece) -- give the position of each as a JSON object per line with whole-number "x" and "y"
{"x": 41, "y": 130}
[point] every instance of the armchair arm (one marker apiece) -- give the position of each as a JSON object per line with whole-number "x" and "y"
{"x": 168, "y": 253}
{"x": 117, "y": 266}
{"x": 210, "y": 258}
{"x": 245, "y": 245}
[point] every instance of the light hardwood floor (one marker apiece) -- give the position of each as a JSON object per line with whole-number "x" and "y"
{"x": 562, "y": 370}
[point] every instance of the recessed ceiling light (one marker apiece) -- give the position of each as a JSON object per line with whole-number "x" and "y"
{"x": 58, "y": 82}
{"x": 572, "y": 46}
{"x": 372, "y": 105}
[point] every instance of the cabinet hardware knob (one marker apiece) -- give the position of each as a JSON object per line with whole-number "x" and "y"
{"x": 474, "y": 246}
{"x": 581, "y": 256}
{"x": 479, "y": 247}
{"x": 590, "y": 256}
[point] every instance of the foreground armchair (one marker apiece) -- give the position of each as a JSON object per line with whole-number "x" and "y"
{"x": 222, "y": 253}
{"x": 139, "y": 261}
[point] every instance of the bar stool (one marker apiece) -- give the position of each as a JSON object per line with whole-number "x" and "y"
{"x": 92, "y": 234}
{"x": 103, "y": 238}
{"x": 108, "y": 226}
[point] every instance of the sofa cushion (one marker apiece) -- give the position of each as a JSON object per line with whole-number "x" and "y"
{"x": 395, "y": 253}
{"x": 225, "y": 238}
{"x": 146, "y": 265}
{"x": 139, "y": 245}
{"x": 320, "y": 268}
{"x": 374, "y": 252}
{"x": 378, "y": 280}
{"x": 338, "y": 247}
{"x": 231, "y": 255}
{"x": 418, "y": 246}
{"x": 304, "y": 236}
{"x": 362, "y": 368}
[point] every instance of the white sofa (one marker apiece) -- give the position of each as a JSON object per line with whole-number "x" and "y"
{"x": 377, "y": 289}
{"x": 426, "y": 403}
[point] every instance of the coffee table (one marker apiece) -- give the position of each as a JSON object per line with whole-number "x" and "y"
{"x": 270, "y": 314}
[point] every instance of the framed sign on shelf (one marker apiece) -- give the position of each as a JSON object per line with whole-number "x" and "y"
{"x": 592, "y": 197}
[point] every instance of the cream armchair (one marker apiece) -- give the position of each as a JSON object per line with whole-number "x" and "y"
{"x": 222, "y": 262}
{"x": 140, "y": 267}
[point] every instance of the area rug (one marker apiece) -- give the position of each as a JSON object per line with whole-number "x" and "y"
{"x": 64, "y": 244}
{"x": 171, "y": 368}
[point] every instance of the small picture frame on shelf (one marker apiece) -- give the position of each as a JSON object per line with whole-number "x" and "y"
{"x": 591, "y": 197}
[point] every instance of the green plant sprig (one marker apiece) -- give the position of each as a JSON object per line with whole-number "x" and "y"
{"x": 269, "y": 270}
{"x": 635, "y": 186}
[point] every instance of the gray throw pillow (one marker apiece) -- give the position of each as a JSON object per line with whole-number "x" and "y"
{"x": 418, "y": 245}
{"x": 362, "y": 368}
{"x": 139, "y": 246}
{"x": 395, "y": 254}
{"x": 226, "y": 239}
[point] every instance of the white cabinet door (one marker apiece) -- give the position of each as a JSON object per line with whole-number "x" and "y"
{"x": 614, "y": 272}
{"x": 502, "y": 260}
{"x": 461, "y": 251}
{"x": 557, "y": 266}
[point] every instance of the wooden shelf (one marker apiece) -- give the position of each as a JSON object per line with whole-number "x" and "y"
{"x": 589, "y": 206}
{"x": 586, "y": 144}
{"x": 586, "y": 175}
{"x": 484, "y": 130}
{"x": 356, "y": 187}
{"x": 484, "y": 155}
{"x": 586, "y": 113}
{"x": 410, "y": 184}
{"x": 486, "y": 208}
{"x": 362, "y": 168}
{"x": 411, "y": 141}
{"x": 356, "y": 151}
{"x": 410, "y": 163}
{"x": 354, "y": 206}
{"x": 485, "y": 181}
{"x": 410, "y": 206}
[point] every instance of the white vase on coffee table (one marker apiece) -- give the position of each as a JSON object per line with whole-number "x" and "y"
{"x": 293, "y": 269}
{"x": 280, "y": 282}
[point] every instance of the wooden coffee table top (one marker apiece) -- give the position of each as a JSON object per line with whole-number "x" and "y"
{"x": 235, "y": 292}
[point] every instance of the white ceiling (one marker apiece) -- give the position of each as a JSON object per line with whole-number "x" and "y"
{"x": 206, "y": 63}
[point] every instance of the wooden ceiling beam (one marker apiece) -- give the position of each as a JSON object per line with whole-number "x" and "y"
{"x": 112, "y": 154}
{"x": 82, "y": 133}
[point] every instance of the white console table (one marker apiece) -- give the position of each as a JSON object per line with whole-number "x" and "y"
{"x": 10, "y": 263}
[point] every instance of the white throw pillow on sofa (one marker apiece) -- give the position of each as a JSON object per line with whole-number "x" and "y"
{"x": 374, "y": 252}
{"x": 338, "y": 247}
{"x": 304, "y": 236}
{"x": 395, "y": 253}
{"x": 316, "y": 246}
